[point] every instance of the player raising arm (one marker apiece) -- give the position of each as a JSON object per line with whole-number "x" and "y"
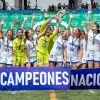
{"x": 56, "y": 54}
{"x": 93, "y": 44}
{"x": 43, "y": 45}
{"x": 31, "y": 42}
{"x": 7, "y": 53}
{"x": 74, "y": 47}
{"x": 19, "y": 47}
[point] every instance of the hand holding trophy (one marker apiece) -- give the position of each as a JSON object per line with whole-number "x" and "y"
{"x": 16, "y": 22}
{"x": 61, "y": 13}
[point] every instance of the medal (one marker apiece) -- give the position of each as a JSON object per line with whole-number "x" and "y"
{"x": 8, "y": 42}
{"x": 73, "y": 42}
{"x": 94, "y": 35}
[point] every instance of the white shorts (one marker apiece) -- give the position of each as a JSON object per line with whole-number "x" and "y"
{"x": 84, "y": 58}
{"x": 93, "y": 56}
{"x": 72, "y": 60}
{"x": 56, "y": 58}
{"x": 31, "y": 59}
{"x": 9, "y": 65}
{"x": 6, "y": 60}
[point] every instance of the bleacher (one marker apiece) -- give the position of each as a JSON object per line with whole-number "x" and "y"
{"x": 21, "y": 11}
{"x": 30, "y": 11}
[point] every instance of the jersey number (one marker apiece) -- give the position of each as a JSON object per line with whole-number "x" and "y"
{"x": 44, "y": 45}
{"x": 59, "y": 48}
{"x": 71, "y": 49}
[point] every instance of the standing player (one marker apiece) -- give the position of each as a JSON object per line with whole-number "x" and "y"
{"x": 1, "y": 43}
{"x": 93, "y": 44}
{"x": 7, "y": 53}
{"x": 84, "y": 42}
{"x": 56, "y": 54}
{"x": 31, "y": 45}
{"x": 74, "y": 47}
{"x": 43, "y": 45}
{"x": 31, "y": 40}
{"x": 19, "y": 48}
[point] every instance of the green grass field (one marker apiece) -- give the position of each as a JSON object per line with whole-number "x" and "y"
{"x": 45, "y": 95}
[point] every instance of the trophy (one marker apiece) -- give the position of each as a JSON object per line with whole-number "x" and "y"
{"x": 16, "y": 22}
{"x": 61, "y": 13}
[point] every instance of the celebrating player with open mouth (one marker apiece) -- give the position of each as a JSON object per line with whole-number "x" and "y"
{"x": 19, "y": 47}
{"x": 93, "y": 44}
{"x": 56, "y": 54}
{"x": 74, "y": 47}
{"x": 6, "y": 47}
{"x": 43, "y": 44}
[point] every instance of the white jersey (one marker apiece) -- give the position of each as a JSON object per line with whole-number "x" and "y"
{"x": 84, "y": 42}
{"x": 31, "y": 46}
{"x": 93, "y": 41}
{"x": 1, "y": 46}
{"x": 84, "y": 58}
{"x": 58, "y": 46}
{"x": 8, "y": 45}
{"x": 73, "y": 46}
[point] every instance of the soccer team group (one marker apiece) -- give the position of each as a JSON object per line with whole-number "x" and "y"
{"x": 49, "y": 46}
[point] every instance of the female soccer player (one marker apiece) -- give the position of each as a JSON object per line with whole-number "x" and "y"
{"x": 7, "y": 53}
{"x": 31, "y": 39}
{"x": 43, "y": 45}
{"x": 1, "y": 43}
{"x": 56, "y": 54}
{"x": 31, "y": 43}
{"x": 93, "y": 45}
{"x": 74, "y": 47}
{"x": 19, "y": 47}
{"x": 84, "y": 42}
